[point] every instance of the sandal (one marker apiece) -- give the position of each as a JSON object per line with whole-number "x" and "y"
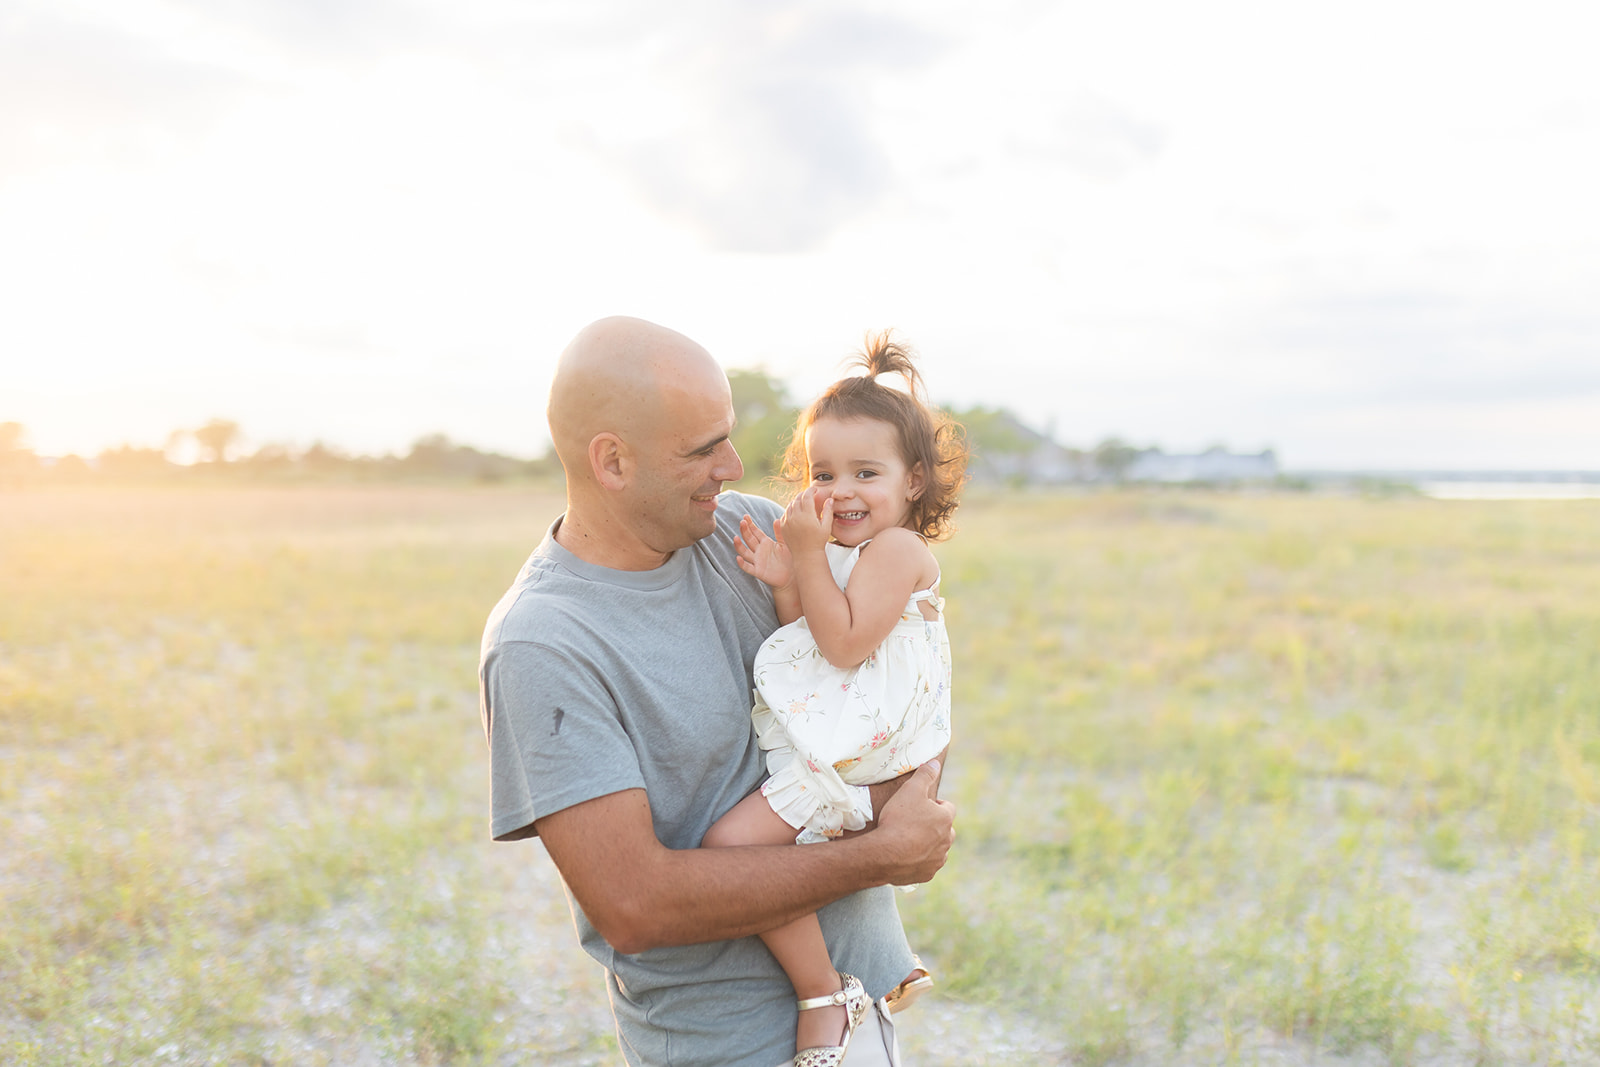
{"x": 902, "y": 996}
{"x": 853, "y": 999}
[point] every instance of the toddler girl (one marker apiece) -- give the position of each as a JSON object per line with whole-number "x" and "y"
{"x": 854, "y": 689}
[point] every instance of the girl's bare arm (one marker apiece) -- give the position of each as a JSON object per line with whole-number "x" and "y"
{"x": 848, "y": 624}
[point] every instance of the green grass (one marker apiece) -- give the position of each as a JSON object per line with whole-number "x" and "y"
{"x": 1240, "y": 774}
{"x": 1291, "y": 778}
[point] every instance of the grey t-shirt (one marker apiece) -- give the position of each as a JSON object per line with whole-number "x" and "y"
{"x": 593, "y": 681}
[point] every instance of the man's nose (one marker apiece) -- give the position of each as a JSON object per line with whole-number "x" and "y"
{"x": 729, "y": 467}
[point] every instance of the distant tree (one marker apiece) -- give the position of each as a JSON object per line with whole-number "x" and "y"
{"x": 127, "y": 461}
{"x": 756, "y": 394}
{"x": 16, "y": 459}
{"x": 271, "y": 455}
{"x": 765, "y": 420}
{"x": 215, "y": 438}
{"x": 270, "y": 460}
{"x": 1114, "y": 456}
{"x": 996, "y": 431}
{"x": 431, "y": 452}
{"x": 70, "y": 468}
{"x": 321, "y": 457}
{"x": 322, "y": 453}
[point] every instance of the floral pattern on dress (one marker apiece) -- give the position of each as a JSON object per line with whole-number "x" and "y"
{"x": 827, "y": 730}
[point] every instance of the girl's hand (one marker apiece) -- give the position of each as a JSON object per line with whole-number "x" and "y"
{"x": 807, "y": 522}
{"x": 763, "y": 557}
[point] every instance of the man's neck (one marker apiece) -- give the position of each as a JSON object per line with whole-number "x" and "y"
{"x": 605, "y": 543}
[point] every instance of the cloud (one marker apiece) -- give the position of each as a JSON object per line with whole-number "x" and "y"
{"x": 79, "y": 93}
{"x": 323, "y": 28}
{"x": 776, "y": 149}
{"x": 770, "y": 147}
{"x": 1095, "y": 137}
{"x": 1430, "y": 345}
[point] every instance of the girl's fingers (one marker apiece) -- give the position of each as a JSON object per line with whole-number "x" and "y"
{"x": 807, "y": 498}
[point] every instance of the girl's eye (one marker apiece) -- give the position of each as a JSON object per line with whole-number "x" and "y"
{"x": 822, "y": 478}
{"x": 865, "y": 474}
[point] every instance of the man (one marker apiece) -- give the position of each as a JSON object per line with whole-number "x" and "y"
{"x": 615, "y": 690}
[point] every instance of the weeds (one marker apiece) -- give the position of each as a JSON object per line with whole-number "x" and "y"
{"x": 1238, "y": 778}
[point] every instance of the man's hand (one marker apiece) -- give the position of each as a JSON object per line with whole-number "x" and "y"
{"x": 915, "y": 828}
{"x": 762, "y": 557}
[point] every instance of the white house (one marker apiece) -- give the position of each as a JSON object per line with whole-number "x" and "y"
{"x": 1215, "y": 464}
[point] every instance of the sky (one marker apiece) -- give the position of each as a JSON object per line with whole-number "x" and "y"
{"x": 1364, "y": 234}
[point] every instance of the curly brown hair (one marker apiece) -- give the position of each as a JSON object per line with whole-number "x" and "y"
{"x": 928, "y": 436}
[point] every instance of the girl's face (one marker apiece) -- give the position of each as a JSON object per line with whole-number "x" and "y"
{"x": 858, "y": 462}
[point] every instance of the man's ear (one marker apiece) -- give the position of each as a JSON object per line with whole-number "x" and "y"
{"x": 610, "y": 460}
{"x": 916, "y": 482}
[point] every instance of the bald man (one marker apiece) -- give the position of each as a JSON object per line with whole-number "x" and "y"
{"x": 615, "y": 692}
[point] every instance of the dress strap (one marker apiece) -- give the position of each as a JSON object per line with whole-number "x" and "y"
{"x": 931, "y": 595}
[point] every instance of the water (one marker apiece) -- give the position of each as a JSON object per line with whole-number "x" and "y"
{"x": 1510, "y": 490}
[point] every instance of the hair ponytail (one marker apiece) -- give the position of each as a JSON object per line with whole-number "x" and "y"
{"x": 881, "y": 354}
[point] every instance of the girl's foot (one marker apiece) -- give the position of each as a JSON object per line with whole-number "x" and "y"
{"x": 824, "y": 1045}
{"x": 820, "y": 1028}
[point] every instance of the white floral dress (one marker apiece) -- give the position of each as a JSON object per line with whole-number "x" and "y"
{"x": 829, "y": 730}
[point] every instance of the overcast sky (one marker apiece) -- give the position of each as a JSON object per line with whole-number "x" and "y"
{"x": 1365, "y": 234}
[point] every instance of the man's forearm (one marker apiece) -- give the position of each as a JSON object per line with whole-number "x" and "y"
{"x": 641, "y": 895}
{"x": 717, "y": 894}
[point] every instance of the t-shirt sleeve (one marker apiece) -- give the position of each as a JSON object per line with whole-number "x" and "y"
{"x": 555, "y": 737}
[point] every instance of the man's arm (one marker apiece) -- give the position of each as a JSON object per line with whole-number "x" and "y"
{"x": 640, "y": 894}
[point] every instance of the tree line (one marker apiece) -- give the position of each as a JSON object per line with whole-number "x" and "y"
{"x": 217, "y": 444}
{"x": 1004, "y": 449}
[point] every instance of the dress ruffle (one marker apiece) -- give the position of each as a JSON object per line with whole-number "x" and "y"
{"x": 820, "y": 806}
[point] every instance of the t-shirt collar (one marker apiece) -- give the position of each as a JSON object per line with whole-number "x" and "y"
{"x": 657, "y": 578}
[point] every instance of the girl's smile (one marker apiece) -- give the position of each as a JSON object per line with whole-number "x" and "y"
{"x": 858, "y": 463}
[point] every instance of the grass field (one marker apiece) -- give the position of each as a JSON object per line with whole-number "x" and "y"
{"x": 1273, "y": 779}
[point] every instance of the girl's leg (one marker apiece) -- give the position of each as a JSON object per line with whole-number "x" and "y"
{"x": 798, "y": 945}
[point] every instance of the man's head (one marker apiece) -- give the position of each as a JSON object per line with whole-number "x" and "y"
{"x": 640, "y": 417}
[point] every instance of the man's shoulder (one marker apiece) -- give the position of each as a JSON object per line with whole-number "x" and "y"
{"x": 538, "y": 602}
